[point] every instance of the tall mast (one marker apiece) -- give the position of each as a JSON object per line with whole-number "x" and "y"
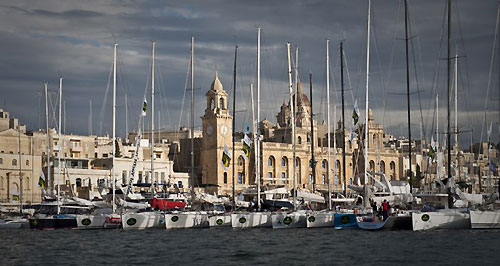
{"x": 20, "y": 170}
{"x": 456, "y": 100}
{"x": 438, "y": 164}
{"x": 367, "y": 87}
{"x": 192, "y": 116}
{"x": 313, "y": 162}
{"x": 328, "y": 122}
{"x": 292, "y": 110}
{"x": 255, "y": 142}
{"x": 294, "y": 115}
{"x": 126, "y": 118}
{"x": 49, "y": 186}
{"x": 258, "y": 116}
{"x": 343, "y": 115}
{"x": 152, "y": 120}
{"x": 448, "y": 86}
{"x": 59, "y": 150}
{"x": 114, "y": 125}
{"x": 408, "y": 92}
{"x": 234, "y": 115}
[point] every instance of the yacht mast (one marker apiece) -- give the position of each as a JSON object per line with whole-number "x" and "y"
{"x": 292, "y": 111}
{"x": 258, "y": 117}
{"x": 367, "y": 88}
{"x": 234, "y": 118}
{"x": 49, "y": 186}
{"x": 328, "y": 121}
{"x": 448, "y": 129}
{"x": 114, "y": 125}
{"x": 438, "y": 163}
{"x": 313, "y": 162}
{"x": 456, "y": 100}
{"x": 343, "y": 115}
{"x": 408, "y": 93}
{"x": 192, "y": 117}
{"x": 255, "y": 141}
{"x": 59, "y": 151}
{"x": 152, "y": 120}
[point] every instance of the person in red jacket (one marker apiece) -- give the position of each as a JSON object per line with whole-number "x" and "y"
{"x": 385, "y": 209}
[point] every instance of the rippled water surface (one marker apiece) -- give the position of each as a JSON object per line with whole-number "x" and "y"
{"x": 226, "y": 246}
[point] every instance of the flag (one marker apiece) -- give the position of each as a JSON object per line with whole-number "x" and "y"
{"x": 226, "y": 157}
{"x": 41, "y": 180}
{"x": 355, "y": 114}
{"x": 489, "y": 131}
{"x": 432, "y": 151}
{"x": 246, "y": 147}
{"x": 352, "y": 135}
{"x": 144, "y": 107}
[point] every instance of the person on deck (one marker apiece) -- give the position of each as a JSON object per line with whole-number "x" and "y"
{"x": 385, "y": 209}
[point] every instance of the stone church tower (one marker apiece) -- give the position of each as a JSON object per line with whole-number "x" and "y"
{"x": 217, "y": 132}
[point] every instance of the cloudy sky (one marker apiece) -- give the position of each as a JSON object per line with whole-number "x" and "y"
{"x": 42, "y": 40}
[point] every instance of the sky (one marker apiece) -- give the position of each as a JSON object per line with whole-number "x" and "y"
{"x": 43, "y": 40}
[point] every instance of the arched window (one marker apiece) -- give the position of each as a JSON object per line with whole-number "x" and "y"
{"x": 299, "y": 140}
{"x": 27, "y": 162}
{"x": 78, "y": 182}
{"x": 225, "y": 177}
{"x": 382, "y": 167}
{"x": 221, "y": 103}
{"x": 284, "y": 162}
{"x": 14, "y": 162}
{"x": 1, "y": 161}
{"x": 179, "y": 184}
{"x": 372, "y": 165}
{"x": 212, "y": 103}
{"x": 324, "y": 164}
{"x": 241, "y": 161}
{"x": 270, "y": 161}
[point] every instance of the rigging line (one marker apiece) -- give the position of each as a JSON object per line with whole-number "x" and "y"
{"x": 490, "y": 73}
{"x": 183, "y": 98}
{"x": 346, "y": 67}
{"x": 422, "y": 128}
{"x": 466, "y": 63}
{"x": 391, "y": 60}
{"x": 270, "y": 87}
{"x": 163, "y": 90}
{"x": 104, "y": 100}
{"x": 438, "y": 62}
{"x": 378, "y": 59}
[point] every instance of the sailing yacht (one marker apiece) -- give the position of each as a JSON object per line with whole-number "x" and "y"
{"x": 449, "y": 217}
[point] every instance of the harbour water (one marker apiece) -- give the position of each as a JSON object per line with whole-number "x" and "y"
{"x": 226, "y": 246}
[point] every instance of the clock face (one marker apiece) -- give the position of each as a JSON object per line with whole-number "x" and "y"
{"x": 223, "y": 130}
{"x": 210, "y": 130}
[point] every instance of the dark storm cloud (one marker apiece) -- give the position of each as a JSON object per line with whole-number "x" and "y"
{"x": 41, "y": 41}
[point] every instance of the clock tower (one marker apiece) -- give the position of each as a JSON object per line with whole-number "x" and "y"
{"x": 217, "y": 133}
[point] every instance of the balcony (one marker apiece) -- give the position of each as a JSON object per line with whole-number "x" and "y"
{"x": 76, "y": 149}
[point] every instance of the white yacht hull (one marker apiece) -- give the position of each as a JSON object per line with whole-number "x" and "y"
{"x": 450, "y": 219}
{"x": 186, "y": 220}
{"x": 90, "y": 221}
{"x": 484, "y": 219}
{"x": 251, "y": 219}
{"x": 320, "y": 219}
{"x": 289, "y": 220}
{"x": 142, "y": 220}
{"x": 220, "y": 220}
